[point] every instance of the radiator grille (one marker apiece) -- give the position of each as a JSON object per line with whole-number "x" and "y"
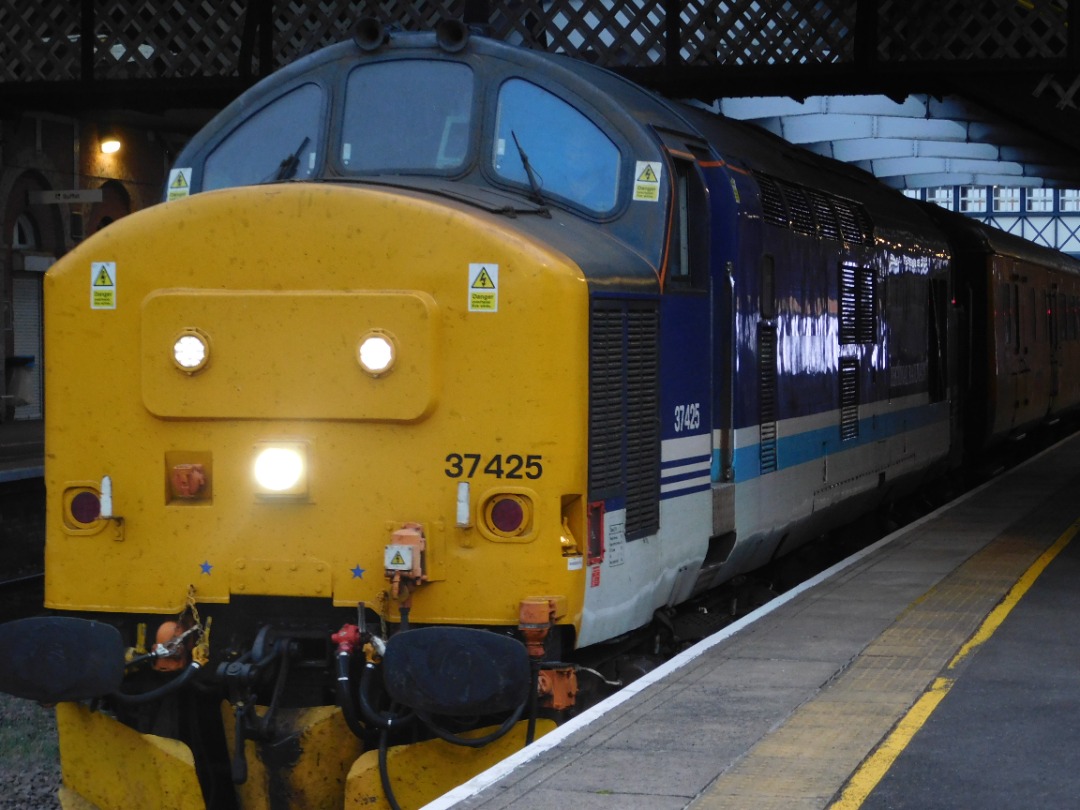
{"x": 624, "y": 427}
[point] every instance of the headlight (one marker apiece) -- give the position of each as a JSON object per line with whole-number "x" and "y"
{"x": 191, "y": 351}
{"x": 281, "y": 469}
{"x": 376, "y": 352}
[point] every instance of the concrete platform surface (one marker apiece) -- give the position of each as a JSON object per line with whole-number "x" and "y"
{"x": 789, "y": 707}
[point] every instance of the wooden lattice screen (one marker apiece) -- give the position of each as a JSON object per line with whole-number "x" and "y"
{"x": 155, "y": 39}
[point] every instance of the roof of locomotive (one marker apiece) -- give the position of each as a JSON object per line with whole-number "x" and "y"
{"x": 634, "y": 112}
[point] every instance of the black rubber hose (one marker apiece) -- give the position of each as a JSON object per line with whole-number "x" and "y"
{"x": 163, "y": 690}
{"x": 344, "y": 696}
{"x": 473, "y": 742}
{"x": 239, "y": 759}
{"x": 367, "y": 706}
{"x": 384, "y": 771}
{"x": 534, "y": 701}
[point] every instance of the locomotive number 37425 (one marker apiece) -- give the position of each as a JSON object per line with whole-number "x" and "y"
{"x": 466, "y": 465}
{"x": 687, "y": 417}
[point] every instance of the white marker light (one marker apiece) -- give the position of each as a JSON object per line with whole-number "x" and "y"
{"x": 191, "y": 351}
{"x": 376, "y": 353}
{"x": 464, "y": 506}
{"x": 106, "y": 498}
{"x": 281, "y": 469}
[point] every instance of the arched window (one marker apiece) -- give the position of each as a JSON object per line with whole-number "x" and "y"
{"x": 25, "y": 235}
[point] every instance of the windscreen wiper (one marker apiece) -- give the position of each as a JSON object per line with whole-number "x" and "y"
{"x": 533, "y": 184}
{"x": 288, "y": 166}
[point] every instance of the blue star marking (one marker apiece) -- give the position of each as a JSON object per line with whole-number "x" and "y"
{"x": 358, "y": 572}
{"x": 206, "y": 567}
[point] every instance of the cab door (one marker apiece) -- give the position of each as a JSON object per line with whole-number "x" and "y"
{"x": 686, "y": 358}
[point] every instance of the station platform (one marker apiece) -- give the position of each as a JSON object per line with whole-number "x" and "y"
{"x": 939, "y": 667}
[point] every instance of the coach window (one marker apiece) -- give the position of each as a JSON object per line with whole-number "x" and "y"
{"x": 1016, "y": 317}
{"x": 569, "y": 156}
{"x": 410, "y": 116}
{"x": 282, "y": 141}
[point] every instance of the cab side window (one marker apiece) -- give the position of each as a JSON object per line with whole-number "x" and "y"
{"x": 688, "y": 241}
{"x": 279, "y": 142}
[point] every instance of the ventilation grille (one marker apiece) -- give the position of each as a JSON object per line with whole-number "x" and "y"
{"x": 847, "y": 299}
{"x": 605, "y": 401}
{"x": 857, "y": 310}
{"x": 825, "y": 214}
{"x": 849, "y": 399}
{"x": 802, "y": 218}
{"x": 864, "y": 305}
{"x": 772, "y": 204}
{"x": 813, "y": 212}
{"x": 624, "y": 428}
{"x": 767, "y": 396}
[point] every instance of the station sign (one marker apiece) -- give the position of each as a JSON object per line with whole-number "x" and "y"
{"x": 72, "y": 196}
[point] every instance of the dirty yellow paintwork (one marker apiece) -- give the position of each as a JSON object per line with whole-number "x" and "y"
{"x": 422, "y": 772}
{"x": 284, "y": 281}
{"x": 113, "y": 767}
{"x": 315, "y": 780}
{"x": 105, "y": 765}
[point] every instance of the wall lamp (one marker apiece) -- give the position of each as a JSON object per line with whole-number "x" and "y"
{"x": 109, "y": 141}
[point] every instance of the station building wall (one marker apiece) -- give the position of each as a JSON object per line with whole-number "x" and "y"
{"x": 43, "y": 153}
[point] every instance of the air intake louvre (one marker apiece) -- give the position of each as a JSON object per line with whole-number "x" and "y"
{"x": 855, "y": 223}
{"x": 812, "y": 212}
{"x": 864, "y": 306}
{"x": 767, "y": 396}
{"x": 772, "y": 204}
{"x": 802, "y": 220}
{"x": 825, "y": 214}
{"x": 624, "y": 428}
{"x": 849, "y": 399}
{"x": 847, "y": 304}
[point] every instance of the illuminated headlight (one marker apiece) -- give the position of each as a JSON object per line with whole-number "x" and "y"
{"x": 376, "y": 353}
{"x": 281, "y": 469}
{"x": 191, "y": 351}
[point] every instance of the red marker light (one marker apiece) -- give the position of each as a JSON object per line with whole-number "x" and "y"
{"x": 85, "y": 507}
{"x": 507, "y": 515}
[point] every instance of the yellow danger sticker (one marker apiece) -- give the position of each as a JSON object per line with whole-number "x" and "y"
{"x": 103, "y": 285}
{"x": 647, "y": 174}
{"x": 179, "y": 184}
{"x": 483, "y": 288}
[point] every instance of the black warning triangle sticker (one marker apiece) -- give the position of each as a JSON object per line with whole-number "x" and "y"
{"x": 648, "y": 176}
{"x": 103, "y": 279}
{"x": 483, "y": 281}
{"x": 397, "y": 559}
{"x": 179, "y": 182}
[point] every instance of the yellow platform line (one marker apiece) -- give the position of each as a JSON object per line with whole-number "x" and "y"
{"x": 874, "y": 768}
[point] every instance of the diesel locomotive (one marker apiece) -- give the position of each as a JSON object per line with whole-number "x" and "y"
{"x": 444, "y": 360}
